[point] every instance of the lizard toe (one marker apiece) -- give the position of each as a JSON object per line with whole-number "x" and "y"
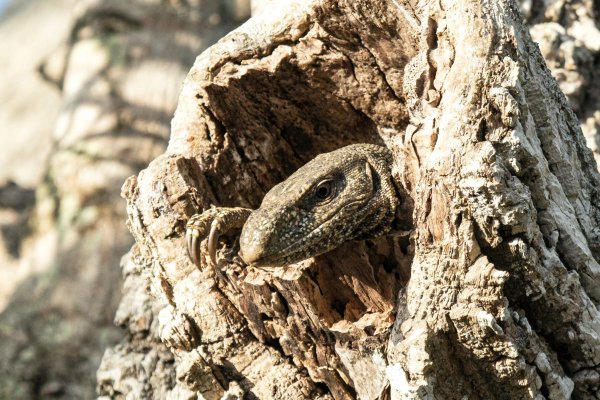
{"x": 211, "y": 224}
{"x": 193, "y": 245}
{"x": 213, "y": 239}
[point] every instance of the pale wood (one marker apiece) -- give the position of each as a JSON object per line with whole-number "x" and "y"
{"x": 503, "y": 259}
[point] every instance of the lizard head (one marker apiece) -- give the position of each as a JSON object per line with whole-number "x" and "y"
{"x": 336, "y": 197}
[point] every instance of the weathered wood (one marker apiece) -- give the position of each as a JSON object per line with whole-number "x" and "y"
{"x": 568, "y": 34}
{"x": 503, "y": 259}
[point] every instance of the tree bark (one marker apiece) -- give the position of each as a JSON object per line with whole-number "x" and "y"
{"x": 568, "y": 33}
{"x": 504, "y": 196}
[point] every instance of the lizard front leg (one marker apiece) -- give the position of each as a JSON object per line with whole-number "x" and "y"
{"x": 211, "y": 224}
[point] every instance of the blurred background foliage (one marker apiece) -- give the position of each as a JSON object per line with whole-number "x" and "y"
{"x": 89, "y": 89}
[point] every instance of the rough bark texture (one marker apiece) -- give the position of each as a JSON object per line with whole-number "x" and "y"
{"x": 120, "y": 74}
{"x": 504, "y": 275}
{"x": 140, "y": 366}
{"x": 568, "y": 33}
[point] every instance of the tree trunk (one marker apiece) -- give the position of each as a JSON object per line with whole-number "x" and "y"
{"x": 568, "y": 33}
{"x": 504, "y": 195}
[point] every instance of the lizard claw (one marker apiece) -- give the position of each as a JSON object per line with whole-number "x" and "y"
{"x": 193, "y": 245}
{"x": 194, "y": 230}
{"x": 211, "y": 224}
{"x": 213, "y": 238}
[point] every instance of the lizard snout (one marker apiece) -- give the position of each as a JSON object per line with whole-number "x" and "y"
{"x": 250, "y": 254}
{"x": 252, "y": 248}
{"x": 266, "y": 234}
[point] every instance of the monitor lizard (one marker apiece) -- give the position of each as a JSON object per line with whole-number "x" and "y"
{"x": 343, "y": 195}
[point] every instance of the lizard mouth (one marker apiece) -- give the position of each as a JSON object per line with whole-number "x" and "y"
{"x": 295, "y": 251}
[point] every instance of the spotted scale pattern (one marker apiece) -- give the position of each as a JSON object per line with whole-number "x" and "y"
{"x": 338, "y": 196}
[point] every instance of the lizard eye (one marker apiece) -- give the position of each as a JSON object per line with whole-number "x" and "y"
{"x": 324, "y": 190}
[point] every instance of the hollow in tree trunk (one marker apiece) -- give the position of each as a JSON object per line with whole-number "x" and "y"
{"x": 495, "y": 292}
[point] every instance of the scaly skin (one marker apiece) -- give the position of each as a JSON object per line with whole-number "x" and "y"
{"x": 336, "y": 197}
